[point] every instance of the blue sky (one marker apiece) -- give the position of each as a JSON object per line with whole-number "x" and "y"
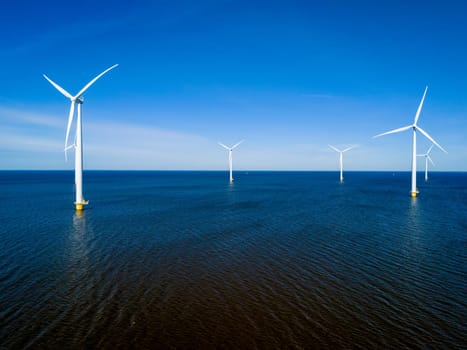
{"x": 290, "y": 77}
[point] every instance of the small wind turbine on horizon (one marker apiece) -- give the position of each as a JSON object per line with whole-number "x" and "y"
{"x": 78, "y": 145}
{"x": 414, "y": 127}
{"x": 341, "y": 165}
{"x": 427, "y": 158}
{"x": 230, "y": 149}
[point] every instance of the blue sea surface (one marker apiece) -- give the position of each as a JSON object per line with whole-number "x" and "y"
{"x": 162, "y": 259}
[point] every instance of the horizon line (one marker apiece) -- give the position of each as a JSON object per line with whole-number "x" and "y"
{"x": 243, "y": 170}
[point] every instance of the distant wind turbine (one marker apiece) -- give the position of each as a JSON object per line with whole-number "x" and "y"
{"x": 415, "y": 127}
{"x": 341, "y": 165}
{"x": 230, "y": 149}
{"x": 427, "y": 158}
{"x": 78, "y": 145}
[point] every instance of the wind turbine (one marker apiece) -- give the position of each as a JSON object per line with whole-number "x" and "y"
{"x": 340, "y": 158}
{"x": 230, "y": 149}
{"x": 427, "y": 158}
{"x": 415, "y": 127}
{"x": 78, "y": 145}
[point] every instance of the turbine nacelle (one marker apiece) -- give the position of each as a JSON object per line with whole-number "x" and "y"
{"x": 344, "y": 150}
{"x": 427, "y": 155}
{"x": 77, "y": 144}
{"x": 230, "y": 149}
{"x": 415, "y": 128}
{"x": 341, "y": 156}
{"x": 78, "y": 99}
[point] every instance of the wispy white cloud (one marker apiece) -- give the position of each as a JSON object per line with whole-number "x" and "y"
{"x": 34, "y": 140}
{"x": 126, "y": 145}
{"x": 15, "y": 115}
{"x": 16, "y": 140}
{"x": 110, "y": 145}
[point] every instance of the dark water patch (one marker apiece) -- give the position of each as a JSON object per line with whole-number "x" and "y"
{"x": 275, "y": 260}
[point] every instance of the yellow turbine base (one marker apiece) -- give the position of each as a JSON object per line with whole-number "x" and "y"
{"x": 79, "y": 206}
{"x": 413, "y": 194}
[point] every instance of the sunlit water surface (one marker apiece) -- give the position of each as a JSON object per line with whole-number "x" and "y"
{"x": 276, "y": 260}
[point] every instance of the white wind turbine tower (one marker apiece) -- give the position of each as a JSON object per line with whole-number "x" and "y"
{"x": 341, "y": 165}
{"x": 414, "y": 127}
{"x": 427, "y": 158}
{"x": 78, "y": 145}
{"x": 230, "y": 149}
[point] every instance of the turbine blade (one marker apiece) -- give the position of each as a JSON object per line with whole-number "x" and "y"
{"x": 58, "y": 87}
{"x": 66, "y": 149}
{"x": 83, "y": 90}
{"x": 223, "y": 145}
{"x": 431, "y": 160}
{"x": 419, "y": 109}
{"x": 238, "y": 143}
{"x": 429, "y": 150}
{"x": 394, "y": 131}
{"x": 334, "y": 148}
{"x": 70, "y": 119}
{"x": 349, "y": 148}
{"x": 431, "y": 139}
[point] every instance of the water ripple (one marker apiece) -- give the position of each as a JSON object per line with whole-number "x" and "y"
{"x": 277, "y": 260}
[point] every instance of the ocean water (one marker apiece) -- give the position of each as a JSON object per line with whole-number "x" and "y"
{"x": 275, "y": 260}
